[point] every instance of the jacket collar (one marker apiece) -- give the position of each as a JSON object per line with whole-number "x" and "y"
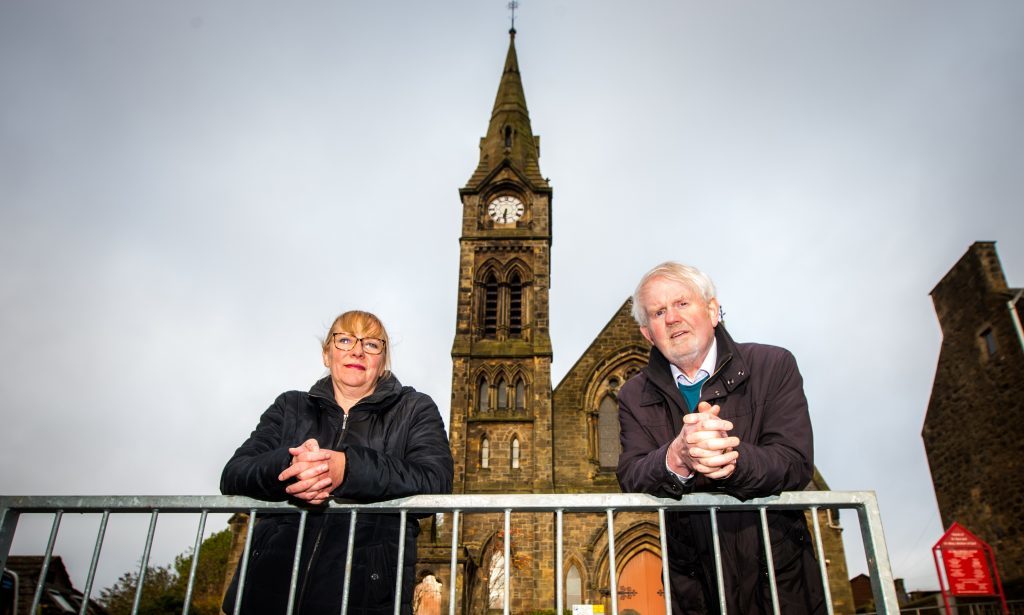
{"x": 383, "y": 395}
{"x": 730, "y": 372}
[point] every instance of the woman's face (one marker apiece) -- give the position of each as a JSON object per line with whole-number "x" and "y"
{"x": 354, "y": 371}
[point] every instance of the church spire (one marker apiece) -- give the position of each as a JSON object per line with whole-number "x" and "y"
{"x": 509, "y": 135}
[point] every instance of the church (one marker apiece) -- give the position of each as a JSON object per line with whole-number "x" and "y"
{"x": 511, "y": 431}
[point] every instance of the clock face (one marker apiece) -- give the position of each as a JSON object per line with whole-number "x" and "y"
{"x": 505, "y": 209}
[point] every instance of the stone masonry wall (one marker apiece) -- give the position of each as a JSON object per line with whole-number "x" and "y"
{"x": 576, "y": 468}
{"x": 974, "y": 425}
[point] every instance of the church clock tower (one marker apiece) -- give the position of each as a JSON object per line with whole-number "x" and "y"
{"x": 501, "y": 376}
{"x": 501, "y": 418}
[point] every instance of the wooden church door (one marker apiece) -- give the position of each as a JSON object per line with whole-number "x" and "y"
{"x": 640, "y": 587}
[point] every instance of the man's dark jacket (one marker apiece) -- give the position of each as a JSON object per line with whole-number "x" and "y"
{"x": 760, "y": 391}
{"x": 395, "y": 446}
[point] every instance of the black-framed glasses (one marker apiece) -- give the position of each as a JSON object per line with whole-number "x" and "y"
{"x": 347, "y": 341}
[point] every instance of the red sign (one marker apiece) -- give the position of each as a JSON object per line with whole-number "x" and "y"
{"x": 966, "y": 563}
{"x": 967, "y": 572}
{"x": 957, "y": 537}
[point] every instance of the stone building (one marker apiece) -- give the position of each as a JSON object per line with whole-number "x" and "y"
{"x": 511, "y": 432}
{"x": 864, "y": 599}
{"x": 21, "y": 578}
{"x": 974, "y": 426}
{"x": 835, "y": 552}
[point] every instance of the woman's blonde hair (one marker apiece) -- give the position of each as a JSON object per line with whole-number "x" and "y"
{"x": 361, "y": 324}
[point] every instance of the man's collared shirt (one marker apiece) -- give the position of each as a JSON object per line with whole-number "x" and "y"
{"x": 707, "y": 367}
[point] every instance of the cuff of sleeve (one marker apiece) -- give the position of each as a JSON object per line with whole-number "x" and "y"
{"x": 683, "y": 480}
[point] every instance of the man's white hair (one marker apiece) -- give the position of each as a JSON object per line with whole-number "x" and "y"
{"x": 677, "y": 272}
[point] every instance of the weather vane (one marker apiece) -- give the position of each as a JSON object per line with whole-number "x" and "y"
{"x": 512, "y": 6}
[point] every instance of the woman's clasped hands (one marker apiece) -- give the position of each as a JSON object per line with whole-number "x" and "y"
{"x": 315, "y": 472}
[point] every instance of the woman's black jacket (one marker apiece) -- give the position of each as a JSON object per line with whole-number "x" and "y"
{"x": 395, "y": 446}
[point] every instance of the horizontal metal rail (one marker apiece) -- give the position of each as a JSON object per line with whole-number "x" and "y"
{"x": 976, "y": 606}
{"x": 11, "y": 507}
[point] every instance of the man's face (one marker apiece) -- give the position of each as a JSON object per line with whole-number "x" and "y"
{"x": 679, "y": 322}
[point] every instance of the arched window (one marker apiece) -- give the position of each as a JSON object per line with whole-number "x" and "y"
{"x": 502, "y": 394}
{"x": 515, "y": 453}
{"x": 608, "y": 433}
{"x": 482, "y": 403}
{"x": 485, "y": 452}
{"x": 515, "y": 308}
{"x": 508, "y": 136}
{"x": 520, "y": 395}
{"x": 573, "y": 586}
{"x": 490, "y": 306}
{"x": 496, "y": 580}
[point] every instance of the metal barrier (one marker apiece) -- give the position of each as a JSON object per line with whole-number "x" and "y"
{"x": 989, "y": 607}
{"x": 864, "y": 503}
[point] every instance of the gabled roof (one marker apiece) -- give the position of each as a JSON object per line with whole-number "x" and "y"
{"x": 27, "y": 567}
{"x": 59, "y": 594}
{"x": 591, "y": 358}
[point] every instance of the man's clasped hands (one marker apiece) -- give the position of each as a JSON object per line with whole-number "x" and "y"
{"x": 704, "y": 446}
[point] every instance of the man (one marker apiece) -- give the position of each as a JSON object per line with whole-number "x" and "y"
{"x": 709, "y": 414}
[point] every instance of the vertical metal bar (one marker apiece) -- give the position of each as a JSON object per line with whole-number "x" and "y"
{"x": 559, "y": 579}
{"x": 611, "y": 563}
{"x": 402, "y": 515}
{"x": 195, "y": 564}
{"x": 719, "y": 575}
{"x": 57, "y": 515}
{"x": 95, "y": 560}
{"x": 8, "y": 525}
{"x": 348, "y": 561}
{"x": 455, "y": 551}
{"x": 508, "y": 556}
{"x": 821, "y": 560}
{"x": 769, "y": 560}
{"x": 665, "y": 583}
{"x": 140, "y": 581}
{"x": 245, "y": 561}
{"x": 882, "y": 585}
{"x": 295, "y": 561}
{"x": 1012, "y": 305}
{"x": 942, "y": 584}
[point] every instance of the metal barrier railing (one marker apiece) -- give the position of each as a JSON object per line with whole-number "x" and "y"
{"x": 865, "y": 504}
{"x": 963, "y": 607}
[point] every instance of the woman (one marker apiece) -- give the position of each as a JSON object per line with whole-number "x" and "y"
{"x": 357, "y": 434}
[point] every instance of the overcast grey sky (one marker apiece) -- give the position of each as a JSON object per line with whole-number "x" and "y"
{"x": 190, "y": 191}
